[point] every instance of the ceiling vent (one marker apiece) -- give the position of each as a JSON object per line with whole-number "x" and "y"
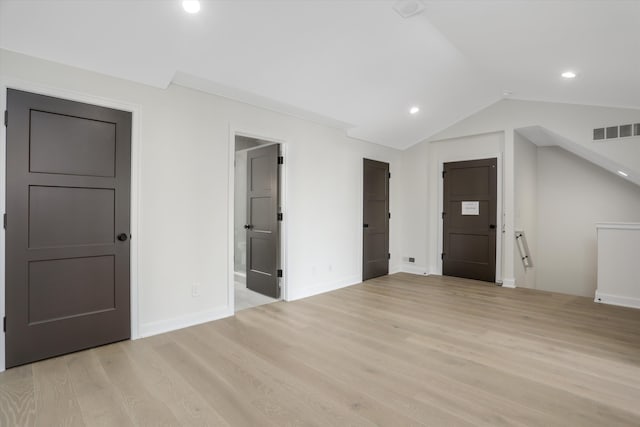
{"x": 614, "y": 132}
{"x": 408, "y": 8}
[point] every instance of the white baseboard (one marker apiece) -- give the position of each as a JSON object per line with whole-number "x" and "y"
{"x": 295, "y": 294}
{"x": 617, "y": 300}
{"x": 239, "y": 277}
{"x": 162, "y": 326}
{"x": 414, "y": 269}
{"x": 508, "y": 283}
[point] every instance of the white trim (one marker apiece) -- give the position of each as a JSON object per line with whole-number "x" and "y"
{"x": 324, "y": 287}
{"x": 414, "y": 269}
{"x": 617, "y": 300}
{"x": 509, "y": 283}
{"x": 136, "y": 143}
{"x": 191, "y": 319}
{"x": 284, "y": 242}
{"x": 239, "y": 277}
{"x": 618, "y": 225}
{"x": 205, "y": 85}
{"x": 499, "y": 208}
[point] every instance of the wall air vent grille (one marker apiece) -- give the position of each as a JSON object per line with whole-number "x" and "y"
{"x": 598, "y": 134}
{"x": 625, "y": 130}
{"x": 614, "y": 132}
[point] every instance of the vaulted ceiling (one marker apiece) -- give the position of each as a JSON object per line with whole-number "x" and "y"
{"x": 351, "y": 64}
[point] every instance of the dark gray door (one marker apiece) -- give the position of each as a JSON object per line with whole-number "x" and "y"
{"x": 469, "y": 219}
{"x": 67, "y": 237}
{"x": 375, "y": 236}
{"x": 263, "y": 245}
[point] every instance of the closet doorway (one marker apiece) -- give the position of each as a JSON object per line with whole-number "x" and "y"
{"x": 257, "y": 219}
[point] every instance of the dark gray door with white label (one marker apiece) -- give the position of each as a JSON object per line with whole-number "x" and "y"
{"x": 263, "y": 245}
{"x": 375, "y": 216}
{"x": 67, "y": 226}
{"x": 469, "y": 219}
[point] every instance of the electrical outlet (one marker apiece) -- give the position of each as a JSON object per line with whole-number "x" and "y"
{"x": 412, "y": 259}
{"x": 195, "y": 290}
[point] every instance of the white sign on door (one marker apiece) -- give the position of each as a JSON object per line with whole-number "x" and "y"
{"x": 470, "y": 208}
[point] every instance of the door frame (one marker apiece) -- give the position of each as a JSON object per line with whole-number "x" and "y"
{"x": 284, "y": 243}
{"x": 88, "y": 98}
{"x": 499, "y": 207}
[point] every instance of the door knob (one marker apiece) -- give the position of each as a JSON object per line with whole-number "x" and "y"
{"x": 122, "y": 237}
{"x": 248, "y": 226}
{"x": 365, "y": 225}
{"x": 492, "y": 226}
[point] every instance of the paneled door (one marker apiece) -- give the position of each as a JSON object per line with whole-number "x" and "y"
{"x": 263, "y": 231}
{"x": 67, "y": 226}
{"x": 469, "y": 219}
{"x": 375, "y": 216}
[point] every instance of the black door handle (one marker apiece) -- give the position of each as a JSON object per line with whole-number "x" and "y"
{"x": 492, "y": 226}
{"x": 122, "y": 237}
{"x": 365, "y": 225}
{"x": 248, "y": 226}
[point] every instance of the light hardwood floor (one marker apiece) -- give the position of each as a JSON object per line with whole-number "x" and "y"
{"x": 398, "y": 350}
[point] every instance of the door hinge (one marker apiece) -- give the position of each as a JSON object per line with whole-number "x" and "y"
{"x": 442, "y": 256}
{"x": 4, "y": 324}
{"x": 279, "y": 273}
{"x": 280, "y": 160}
{"x": 280, "y": 216}
{"x": 389, "y": 215}
{"x": 4, "y": 221}
{"x": 389, "y": 256}
{"x": 443, "y": 173}
{"x": 389, "y": 175}
{"x": 443, "y": 214}
{"x": 6, "y": 118}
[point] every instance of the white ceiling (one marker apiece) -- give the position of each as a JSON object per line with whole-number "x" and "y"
{"x": 351, "y": 64}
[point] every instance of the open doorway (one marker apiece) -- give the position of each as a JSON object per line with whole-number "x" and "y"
{"x": 257, "y": 216}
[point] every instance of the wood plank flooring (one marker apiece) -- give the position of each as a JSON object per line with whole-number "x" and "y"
{"x": 394, "y": 351}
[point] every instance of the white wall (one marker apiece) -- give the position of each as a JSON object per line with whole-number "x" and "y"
{"x": 574, "y": 195}
{"x": 574, "y": 122}
{"x": 526, "y": 207}
{"x": 184, "y": 192}
{"x": 415, "y": 202}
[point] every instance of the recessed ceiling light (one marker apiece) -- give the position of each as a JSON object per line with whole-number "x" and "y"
{"x": 569, "y": 75}
{"x": 191, "y": 6}
{"x": 507, "y": 93}
{"x": 414, "y": 110}
{"x": 623, "y": 173}
{"x": 408, "y": 8}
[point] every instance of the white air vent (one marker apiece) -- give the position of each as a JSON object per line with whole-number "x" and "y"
{"x": 614, "y": 132}
{"x": 408, "y": 8}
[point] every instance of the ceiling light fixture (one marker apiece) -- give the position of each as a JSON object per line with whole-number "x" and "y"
{"x": 191, "y": 6}
{"x": 408, "y": 8}
{"x": 414, "y": 110}
{"x": 623, "y": 173}
{"x": 569, "y": 75}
